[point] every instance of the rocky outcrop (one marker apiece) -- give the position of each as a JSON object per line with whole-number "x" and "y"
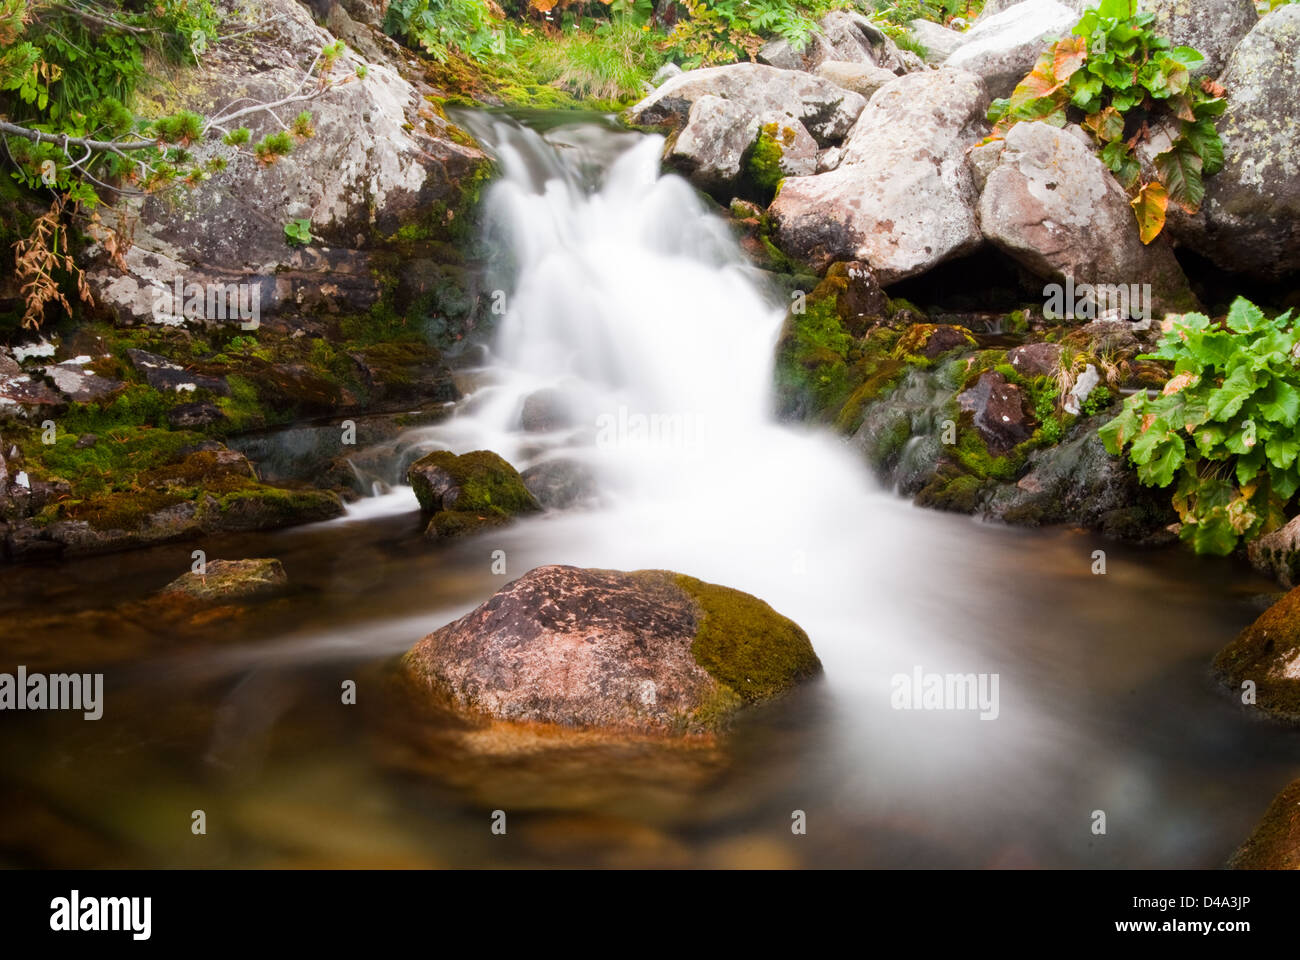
{"x": 1267, "y": 655}
{"x": 379, "y": 158}
{"x": 902, "y": 198}
{"x": 862, "y": 78}
{"x": 1214, "y": 27}
{"x": 468, "y": 493}
{"x": 1052, "y": 205}
{"x": 715, "y": 148}
{"x": 1005, "y": 47}
{"x": 229, "y": 580}
{"x": 998, "y": 408}
{"x": 940, "y": 43}
{"x": 1275, "y": 844}
{"x": 824, "y": 109}
{"x": 841, "y": 35}
{"x": 642, "y": 652}
{"x": 1250, "y": 220}
{"x": 560, "y": 484}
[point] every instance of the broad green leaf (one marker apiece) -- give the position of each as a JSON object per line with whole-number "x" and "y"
{"x": 1226, "y": 401}
{"x": 1180, "y": 169}
{"x": 1167, "y": 460}
{"x": 1282, "y": 451}
{"x": 1204, "y": 140}
{"x": 1244, "y": 316}
{"x": 1280, "y": 402}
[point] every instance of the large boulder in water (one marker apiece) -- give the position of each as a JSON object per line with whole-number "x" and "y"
{"x": 1250, "y": 220}
{"x": 1054, "y": 207}
{"x": 645, "y": 652}
{"x": 1267, "y": 653}
{"x": 902, "y": 198}
{"x": 1275, "y": 844}
{"x": 827, "y": 111}
{"x": 1214, "y": 27}
{"x": 1005, "y": 47}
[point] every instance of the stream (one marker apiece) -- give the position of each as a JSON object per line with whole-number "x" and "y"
{"x": 631, "y": 307}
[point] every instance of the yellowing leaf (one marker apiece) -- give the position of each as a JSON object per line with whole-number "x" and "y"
{"x": 1070, "y": 54}
{"x": 1149, "y": 206}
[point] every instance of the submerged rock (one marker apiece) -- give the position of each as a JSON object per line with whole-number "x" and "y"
{"x": 1267, "y": 654}
{"x": 229, "y": 580}
{"x": 560, "y": 484}
{"x": 644, "y": 652}
{"x": 1275, "y": 844}
{"x": 468, "y": 493}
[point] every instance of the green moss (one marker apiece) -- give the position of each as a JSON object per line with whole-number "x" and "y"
{"x": 447, "y": 524}
{"x": 762, "y": 161}
{"x": 746, "y": 645}
{"x": 483, "y": 483}
{"x": 256, "y": 506}
{"x": 957, "y": 492}
{"x": 243, "y": 408}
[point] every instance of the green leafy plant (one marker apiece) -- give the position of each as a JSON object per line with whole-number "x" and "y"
{"x": 1223, "y": 433}
{"x": 446, "y": 27}
{"x": 1119, "y": 79}
{"x": 298, "y": 232}
{"x": 273, "y": 146}
{"x": 723, "y": 31}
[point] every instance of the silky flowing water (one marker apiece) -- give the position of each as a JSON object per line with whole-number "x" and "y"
{"x": 625, "y": 296}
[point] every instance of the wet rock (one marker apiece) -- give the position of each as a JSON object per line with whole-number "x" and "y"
{"x": 1278, "y": 553}
{"x": 931, "y": 340}
{"x": 165, "y": 376}
{"x": 861, "y": 300}
{"x": 940, "y": 43}
{"x": 902, "y": 198}
{"x": 1076, "y": 481}
{"x": 1035, "y": 359}
{"x": 1250, "y": 219}
{"x": 862, "y": 78}
{"x": 192, "y": 416}
{"x": 1267, "y": 653}
{"x": 78, "y": 384}
{"x": 1275, "y": 843}
{"x": 642, "y": 652}
{"x": 1214, "y": 27}
{"x": 21, "y": 395}
{"x": 1005, "y": 47}
{"x": 469, "y": 492}
{"x": 827, "y": 111}
{"x": 560, "y": 484}
{"x": 545, "y": 410}
{"x": 998, "y": 408}
{"x": 229, "y": 580}
{"x": 1055, "y": 208}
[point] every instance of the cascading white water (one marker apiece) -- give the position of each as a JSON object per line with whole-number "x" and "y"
{"x": 633, "y": 301}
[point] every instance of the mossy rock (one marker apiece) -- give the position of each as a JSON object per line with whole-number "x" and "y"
{"x": 746, "y": 645}
{"x": 645, "y": 652}
{"x": 1275, "y": 843}
{"x": 229, "y": 580}
{"x": 450, "y": 524}
{"x": 479, "y": 482}
{"x": 1267, "y": 653}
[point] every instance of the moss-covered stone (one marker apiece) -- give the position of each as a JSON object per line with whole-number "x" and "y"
{"x": 746, "y": 645}
{"x": 1275, "y": 843}
{"x": 1267, "y": 654}
{"x": 476, "y": 482}
{"x": 229, "y": 580}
